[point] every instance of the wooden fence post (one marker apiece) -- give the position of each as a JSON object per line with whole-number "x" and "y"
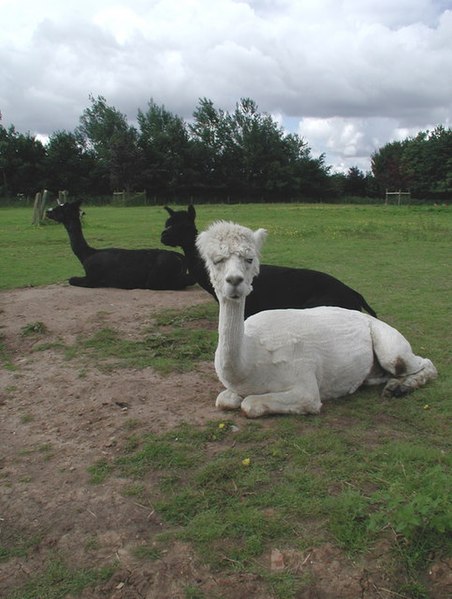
{"x": 39, "y": 207}
{"x": 36, "y": 209}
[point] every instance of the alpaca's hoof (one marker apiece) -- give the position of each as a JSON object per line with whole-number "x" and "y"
{"x": 228, "y": 400}
{"x": 253, "y": 408}
{"x": 251, "y": 413}
{"x": 395, "y": 388}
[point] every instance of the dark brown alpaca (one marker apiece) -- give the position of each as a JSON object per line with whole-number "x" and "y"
{"x": 114, "y": 267}
{"x": 275, "y": 286}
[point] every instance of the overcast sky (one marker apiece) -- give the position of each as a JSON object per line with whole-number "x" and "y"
{"x": 347, "y": 75}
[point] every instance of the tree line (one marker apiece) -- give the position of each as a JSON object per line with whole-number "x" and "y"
{"x": 422, "y": 164}
{"x": 242, "y": 155}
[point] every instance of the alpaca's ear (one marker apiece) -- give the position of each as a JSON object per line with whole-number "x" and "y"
{"x": 259, "y": 237}
{"x": 191, "y": 212}
{"x": 170, "y": 212}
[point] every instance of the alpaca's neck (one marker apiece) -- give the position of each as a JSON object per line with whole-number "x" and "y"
{"x": 189, "y": 248}
{"x": 78, "y": 243}
{"x": 230, "y": 355}
{"x": 191, "y": 253}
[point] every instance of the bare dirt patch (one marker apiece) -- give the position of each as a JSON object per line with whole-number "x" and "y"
{"x": 57, "y": 418}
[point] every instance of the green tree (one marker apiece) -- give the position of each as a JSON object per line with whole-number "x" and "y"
{"x": 164, "y": 142}
{"x": 355, "y": 182}
{"x": 422, "y": 163}
{"x": 105, "y": 131}
{"x": 313, "y": 174}
{"x": 427, "y": 161}
{"x": 440, "y": 143}
{"x": 21, "y": 163}
{"x": 246, "y": 154}
{"x": 263, "y": 157}
{"x": 209, "y": 136}
{"x": 126, "y": 160}
{"x": 68, "y": 165}
{"x": 387, "y": 167}
{"x": 4, "y": 143}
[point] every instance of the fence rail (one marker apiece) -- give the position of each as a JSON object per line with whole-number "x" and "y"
{"x": 129, "y": 198}
{"x": 398, "y": 195}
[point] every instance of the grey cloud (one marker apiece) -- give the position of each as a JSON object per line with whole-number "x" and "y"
{"x": 357, "y": 62}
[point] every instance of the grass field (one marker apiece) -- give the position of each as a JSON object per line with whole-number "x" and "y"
{"x": 297, "y": 482}
{"x": 397, "y": 257}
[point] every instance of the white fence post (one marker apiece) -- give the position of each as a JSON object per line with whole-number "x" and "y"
{"x": 399, "y": 194}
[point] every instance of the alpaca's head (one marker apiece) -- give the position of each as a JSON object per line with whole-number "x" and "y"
{"x": 231, "y": 254}
{"x": 65, "y": 213}
{"x": 180, "y": 228}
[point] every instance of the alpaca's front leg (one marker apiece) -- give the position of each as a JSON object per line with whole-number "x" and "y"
{"x": 228, "y": 400}
{"x": 294, "y": 401}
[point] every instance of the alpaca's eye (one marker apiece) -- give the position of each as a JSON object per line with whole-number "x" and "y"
{"x": 249, "y": 260}
{"x": 218, "y": 261}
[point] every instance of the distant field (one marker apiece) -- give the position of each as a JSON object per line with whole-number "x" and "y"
{"x": 397, "y": 257}
{"x": 351, "y": 241}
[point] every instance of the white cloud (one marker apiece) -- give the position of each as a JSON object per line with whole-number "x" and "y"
{"x": 121, "y": 21}
{"x": 353, "y": 73}
{"x": 348, "y": 142}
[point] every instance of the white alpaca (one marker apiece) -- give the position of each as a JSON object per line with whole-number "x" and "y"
{"x": 288, "y": 361}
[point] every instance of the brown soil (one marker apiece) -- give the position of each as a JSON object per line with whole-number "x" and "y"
{"x": 57, "y": 418}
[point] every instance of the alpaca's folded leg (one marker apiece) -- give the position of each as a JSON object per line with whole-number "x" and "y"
{"x": 407, "y": 384}
{"x": 228, "y": 400}
{"x": 293, "y": 401}
{"x": 80, "y": 282}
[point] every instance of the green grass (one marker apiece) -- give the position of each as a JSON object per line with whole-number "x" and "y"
{"x": 356, "y": 243}
{"x": 364, "y": 470}
{"x": 60, "y": 580}
{"x": 14, "y": 545}
{"x": 234, "y": 494}
{"x": 175, "y": 346}
{"x": 5, "y": 357}
{"x": 34, "y": 328}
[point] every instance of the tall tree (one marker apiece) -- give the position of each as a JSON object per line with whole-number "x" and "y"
{"x": 422, "y": 163}
{"x": 164, "y": 142}
{"x": 248, "y": 155}
{"x": 209, "y": 135}
{"x": 68, "y": 165}
{"x": 355, "y": 182}
{"x": 106, "y": 131}
{"x": 387, "y": 166}
{"x": 4, "y": 142}
{"x": 258, "y": 149}
{"x": 427, "y": 161}
{"x": 21, "y": 163}
{"x": 125, "y": 160}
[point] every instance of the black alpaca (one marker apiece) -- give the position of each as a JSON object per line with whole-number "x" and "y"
{"x": 123, "y": 269}
{"x": 275, "y": 286}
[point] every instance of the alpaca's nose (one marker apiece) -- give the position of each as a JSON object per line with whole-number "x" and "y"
{"x": 234, "y": 280}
